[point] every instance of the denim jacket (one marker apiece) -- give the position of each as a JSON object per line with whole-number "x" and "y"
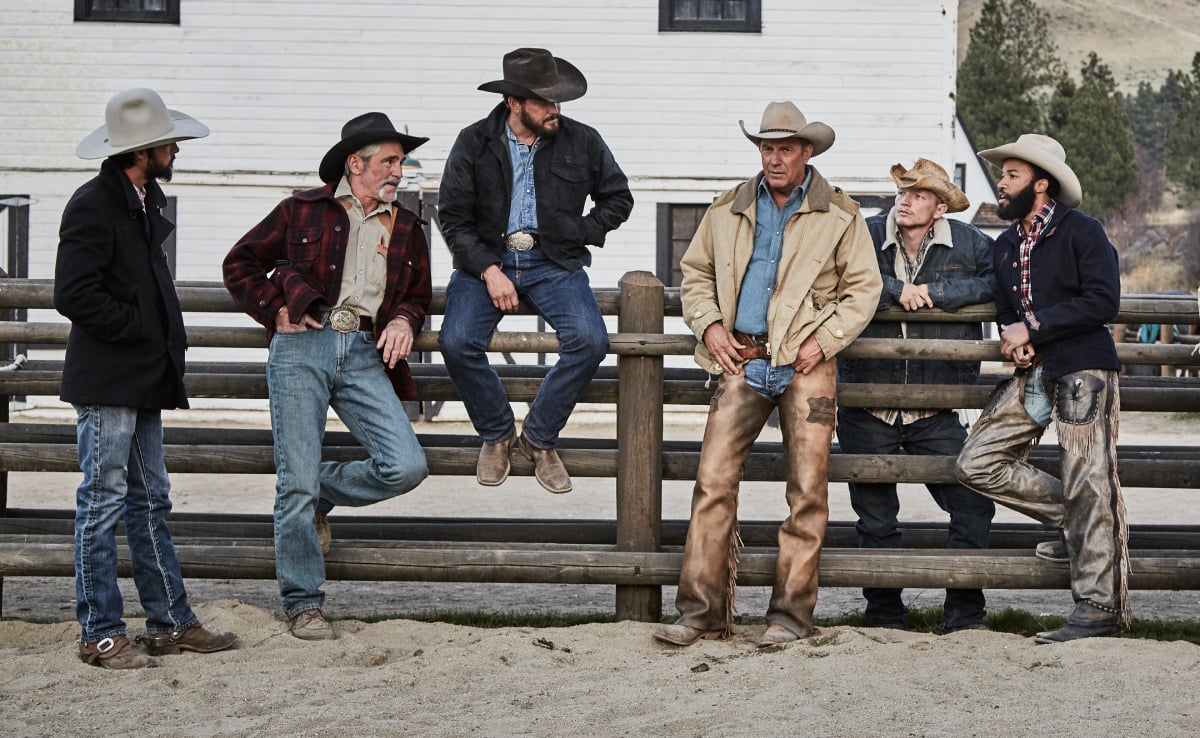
{"x": 570, "y": 166}
{"x": 958, "y": 272}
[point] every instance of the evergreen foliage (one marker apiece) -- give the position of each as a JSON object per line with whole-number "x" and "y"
{"x": 1153, "y": 113}
{"x": 1183, "y": 142}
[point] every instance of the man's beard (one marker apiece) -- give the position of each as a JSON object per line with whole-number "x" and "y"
{"x": 539, "y": 129}
{"x": 161, "y": 172}
{"x": 383, "y": 195}
{"x": 1019, "y": 204}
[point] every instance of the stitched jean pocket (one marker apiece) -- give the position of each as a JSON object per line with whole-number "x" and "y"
{"x": 1078, "y": 398}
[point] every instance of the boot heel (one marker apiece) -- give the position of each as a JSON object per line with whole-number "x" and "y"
{"x": 163, "y": 650}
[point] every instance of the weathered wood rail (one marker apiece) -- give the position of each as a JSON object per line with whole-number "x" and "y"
{"x": 638, "y": 551}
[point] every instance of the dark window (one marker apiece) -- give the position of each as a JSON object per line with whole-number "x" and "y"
{"x": 128, "y": 11}
{"x": 171, "y": 213}
{"x": 738, "y": 16}
{"x": 960, "y": 176}
{"x": 676, "y": 226}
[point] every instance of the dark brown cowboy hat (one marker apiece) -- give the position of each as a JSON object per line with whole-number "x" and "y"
{"x": 535, "y": 73}
{"x": 366, "y": 129}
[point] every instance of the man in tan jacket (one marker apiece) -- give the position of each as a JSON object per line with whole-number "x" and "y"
{"x": 778, "y": 279}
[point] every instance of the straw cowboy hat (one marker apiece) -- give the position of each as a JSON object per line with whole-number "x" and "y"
{"x": 358, "y": 132}
{"x": 784, "y": 120}
{"x": 1046, "y": 153}
{"x": 138, "y": 119}
{"x": 535, "y": 73}
{"x": 926, "y": 175}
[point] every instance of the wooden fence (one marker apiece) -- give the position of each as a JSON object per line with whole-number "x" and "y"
{"x": 638, "y": 551}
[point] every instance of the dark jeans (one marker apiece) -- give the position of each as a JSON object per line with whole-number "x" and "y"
{"x": 878, "y": 507}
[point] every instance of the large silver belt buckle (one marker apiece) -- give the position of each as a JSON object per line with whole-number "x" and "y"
{"x": 519, "y": 241}
{"x": 343, "y": 319}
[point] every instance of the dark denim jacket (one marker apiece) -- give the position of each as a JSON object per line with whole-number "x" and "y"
{"x": 570, "y": 166}
{"x": 958, "y": 273}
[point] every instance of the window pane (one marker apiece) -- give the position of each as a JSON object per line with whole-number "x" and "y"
{"x": 686, "y": 9}
{"x": 151, "y": 5}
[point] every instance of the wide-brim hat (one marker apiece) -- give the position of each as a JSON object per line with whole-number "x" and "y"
{"x": 927, "y": 175}
{"x": 1046, "y": 153}
{"x": 784, "y": 120}
{"x": 358, "y": 132}
{"x": 537, "y": 73}
{"x": 138, "y": 119}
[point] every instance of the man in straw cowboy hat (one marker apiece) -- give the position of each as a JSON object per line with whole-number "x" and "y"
{"x": 339, "y": 276}
{"x": 124, "y": 366}
{"x": 926, "y": 260}
{"x": 512, "y": 210}
{"x": 1058, "y": 285}
{"x": 778, "y": 279}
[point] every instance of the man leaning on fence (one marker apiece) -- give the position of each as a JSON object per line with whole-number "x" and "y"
{"x": 124, "y": 366}
{"x": 512, "y": 210}
{"x": 778, "y": 279}
{"x": 339, "y": 276}
{"x": 927, "y": 260}
{"x": 1058, "y": 285}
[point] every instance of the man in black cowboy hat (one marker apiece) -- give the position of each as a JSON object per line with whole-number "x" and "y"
{"x": 339, "y": 276}
{"x": 124, "y": 366}
{"x": 926, "y": 260}
{"x": 512, "y": 211}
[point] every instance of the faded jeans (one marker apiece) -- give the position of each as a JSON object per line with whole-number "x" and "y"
{"x": 124, "y": 475}
{"x": 308, "y": 373}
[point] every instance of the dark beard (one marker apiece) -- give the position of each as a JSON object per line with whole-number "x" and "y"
{"x": 1019, "y": 204}
{"x": 540, "y": 131}
{"x": 162, "y": 173}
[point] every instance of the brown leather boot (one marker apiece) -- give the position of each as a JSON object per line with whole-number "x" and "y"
{"x": 492, "y": 468}
{"x": 324, "y": 534}
{"x": 115, "y": 653}
{"x": 195, "y": 638}
{"x": 547, "y": 467}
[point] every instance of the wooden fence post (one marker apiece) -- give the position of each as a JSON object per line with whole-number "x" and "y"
{"x": 639, "y": 442}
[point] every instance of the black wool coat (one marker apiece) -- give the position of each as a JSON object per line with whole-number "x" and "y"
{"x": 112, "y": 281}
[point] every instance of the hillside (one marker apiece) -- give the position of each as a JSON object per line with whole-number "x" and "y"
{"x": 1139, "y": 41}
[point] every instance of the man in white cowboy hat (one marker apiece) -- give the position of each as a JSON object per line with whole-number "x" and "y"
{"x": 512, "y": 210}
{"x": 1058, "y": 286}
{"x": 778, "y": 279}
{"x": 124, "y": 366}
{"x": 926, "y": 260}
{"x": 339, "y": 277}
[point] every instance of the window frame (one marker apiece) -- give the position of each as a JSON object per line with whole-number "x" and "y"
{"x": 86, "y": 13}
{"x": 665, "y": 264}
{"x": 667, "y": 24}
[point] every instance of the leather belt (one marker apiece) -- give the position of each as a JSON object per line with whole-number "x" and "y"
{"x": 345, "y": 320}
{"x": 756, "y": 347}
{"x": 521, "y": 241}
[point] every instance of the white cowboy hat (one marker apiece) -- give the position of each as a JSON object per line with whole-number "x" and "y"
{"x": 138, "y": 119}
{"x": 784, "y": 120}
{"x": 1046, "y": 153}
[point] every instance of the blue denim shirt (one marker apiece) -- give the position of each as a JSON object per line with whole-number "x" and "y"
{"x": 522, "y": 209}
{"x": 759, "y": 283}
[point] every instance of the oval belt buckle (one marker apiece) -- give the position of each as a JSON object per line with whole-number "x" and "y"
{"x": 520, "y": 241}
{"x": 343, "y": 320}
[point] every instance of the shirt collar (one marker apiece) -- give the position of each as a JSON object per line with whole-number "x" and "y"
{"x": 349, "y": 200}
{"x": 797, "y": 194}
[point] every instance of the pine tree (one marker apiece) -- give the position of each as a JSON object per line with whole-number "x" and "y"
{"x": 1183, "y": 144}
{"x": 1009, "y": 66}
{"x": 1088, "y": 120}
{"x": 1153, "y": 113}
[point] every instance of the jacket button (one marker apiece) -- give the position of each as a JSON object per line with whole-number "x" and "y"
{"x": 838, "y": 333}
{"x": 333, "y": 267}
{"x": 262, "y": 303}
{"x": 338, "y": 229}
{"x": 1014, "y": 289}
{"x": 1014, "y": 266}
{"x": 304, "y": 240}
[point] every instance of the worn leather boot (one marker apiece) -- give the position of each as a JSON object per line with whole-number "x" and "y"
{"x": 777, "y": 635}
{"x": 324, "y": 534}
{"x": 1087, "y": 621}
{"x": 195, "y": 638}
{"x": 547, "y": 467}
{"x": 115, "y": 653}
{"x": 311, "y": 625}
{"x": 492, "y": 468}
{"x": 679, "y": 634}
{"x": 1053, "y": 551}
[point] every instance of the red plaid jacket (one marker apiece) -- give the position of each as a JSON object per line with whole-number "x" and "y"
{"x": 294, "y": 257}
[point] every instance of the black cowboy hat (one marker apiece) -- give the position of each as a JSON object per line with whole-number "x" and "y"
{"x": 364, "y": 130}
{"x": 535, "y": 73}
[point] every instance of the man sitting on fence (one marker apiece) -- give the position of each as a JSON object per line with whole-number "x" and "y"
{"x": 926, "y": 260}
{"x": 512, "y": 210}
{"x": 1058, "y": 285}
{"x": 778, "y": 279}
{"x": 124, "y": 366}
{"x": 339, "y": 276}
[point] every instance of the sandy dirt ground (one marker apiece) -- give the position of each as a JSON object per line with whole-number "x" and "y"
{"x": 403, "y": 677}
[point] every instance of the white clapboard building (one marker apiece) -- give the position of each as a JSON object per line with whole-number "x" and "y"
{"x": 276, "y": 79}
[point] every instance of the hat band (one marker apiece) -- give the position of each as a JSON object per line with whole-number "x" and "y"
{"x": 778, "y": 130}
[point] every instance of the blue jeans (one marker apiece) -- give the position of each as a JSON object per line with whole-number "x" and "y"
{"x": 307, "y": 373}
{"x": 121, "y": 457}
{"x": 564, "y": 298}
{"x": 878, "y": 507}
{"x": 768, "y": 381}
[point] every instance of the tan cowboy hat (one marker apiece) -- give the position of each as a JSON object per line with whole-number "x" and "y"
{"x": 138, "y": 119}
{"x": 536, "y": 73}
{"x": 784, "y": 120}
{"x": 358, "y": 132}
{"x": 927, "y": 175}
{"x": 1046, "y": 153}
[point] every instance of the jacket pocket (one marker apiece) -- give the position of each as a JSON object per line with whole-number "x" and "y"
{"x": 304, "y": 244}
{"x": 1077, "y": 399}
